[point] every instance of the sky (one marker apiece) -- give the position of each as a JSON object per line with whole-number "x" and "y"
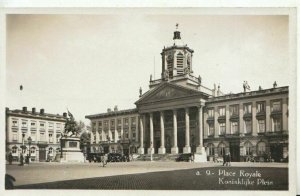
{"x": 88, "y": 63}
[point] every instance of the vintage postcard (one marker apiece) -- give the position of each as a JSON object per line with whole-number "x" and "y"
{"x": 151, "y": 99}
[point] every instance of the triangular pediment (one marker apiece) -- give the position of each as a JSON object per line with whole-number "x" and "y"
{"x": 167, "y": 91}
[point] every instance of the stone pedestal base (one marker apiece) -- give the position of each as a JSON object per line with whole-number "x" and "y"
{"x": 187, "y": 149}
{"x": 200, "y": 155}
{"x": 162, "y": 151}
{"x": 150, "y": 150}
{"x": 72, "y": 156}
{"x": 71, "y": 150}
{"x": 174, "y": 150}
{"x": 141, "y": 150}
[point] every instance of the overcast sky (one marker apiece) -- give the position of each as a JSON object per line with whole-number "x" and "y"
{"x": 87, "y": 63}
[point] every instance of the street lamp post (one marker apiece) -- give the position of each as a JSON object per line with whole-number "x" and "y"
{"x": 29, "y": 143}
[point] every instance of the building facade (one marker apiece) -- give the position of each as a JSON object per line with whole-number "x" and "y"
{"x": 33, "y": 133}
{"x": 180, "y": 115}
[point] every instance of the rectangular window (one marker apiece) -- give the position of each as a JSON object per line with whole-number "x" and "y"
{"x": 33, "y": 136}
{"x": 276, "y": 106}
{"x": 42, "y": 136}
{"x": 222, "y": 111}
{"x": 105, "y": 123}
{"x": 15, "y": 136}
{"x": 14, "y": 123}
{"x": 248, "y": 126}
{"x": 261, "y": 126}
{"x": 211, "y": 129}
{"x": 234, "y": 110}
{"x": 50, "y": 125}
{"x": 126, "y": 121}
{"x": 42, "y": 125}
{"x": 24, "y": 124}
{"x": 247, "y": 109}
{"x": 277, "y": 124}
{"x": 112, "y": 122}
{"x": 119, "y": 122}
{"x": 210, "y": 113}
{"x": 261, "y": 107}
{"x": 58, "y": 126}
{"x": 222, "y": 128}
{"x": 94, "y": 126}
{"x": 58, "y": 137}
{"x": 119, "y": 135}
{"x": 32, "y": 124}
{"x": 133, "y": 120}
{"x": 113, "y": 136}
{"x": 133, "y": 135}
{"x": 50, "y": 137}
{"x": 234, "y": 127}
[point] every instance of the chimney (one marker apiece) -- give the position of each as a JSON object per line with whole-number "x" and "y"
{"x": 116, "y": 108}
{"x": 65, "y": 114}
{"x": 42, "y": 111}
{"x": 33, "y": 110}
{"x": 108, "y": 110}
{"x": 24, "y": 109}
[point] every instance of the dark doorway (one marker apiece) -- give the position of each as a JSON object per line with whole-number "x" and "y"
{"x": 180, "y": 139}
{"x": 156, "y": 146}
{"x": 276, "y": 152}
{"x": 42, "y": 154}
{"x": 126, "y": 151}
{"x": 235, "y": 151}
{"x": 106, "y": 149}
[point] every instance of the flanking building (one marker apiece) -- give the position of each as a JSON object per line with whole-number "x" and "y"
{"x": 180, "y": 115}
{"x": 33, "y": 133}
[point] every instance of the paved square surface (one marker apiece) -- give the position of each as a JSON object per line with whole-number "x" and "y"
{"x": 151, "y": 176}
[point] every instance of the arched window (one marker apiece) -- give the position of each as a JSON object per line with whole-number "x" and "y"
{"x": 261, "y": 148}
{"x": 32, "y": 150}
{"x": 211, "y": 149}
{"x": 248, "y": 148}
{"x": 179, "y": 58}
{"x": 221, "y": 149}
{"x": 50, "y": 150}
{"x": 14, "y": 150}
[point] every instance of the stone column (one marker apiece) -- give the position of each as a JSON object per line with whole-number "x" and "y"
{"x": 200, "y": 148}
{"x": 141, "y": 149}
{"x": 150, "y": 149}
{"x": 228, "y": 126}
{"x": 174, "y": 149}
{"x": 162, "y": 149}
{"x": 187, "y": 148}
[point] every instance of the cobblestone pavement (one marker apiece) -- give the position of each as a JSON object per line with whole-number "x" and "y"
{"x": 148, "y": 175}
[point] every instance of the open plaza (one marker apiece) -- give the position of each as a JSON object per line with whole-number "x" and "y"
{"x": 143, "y": 175}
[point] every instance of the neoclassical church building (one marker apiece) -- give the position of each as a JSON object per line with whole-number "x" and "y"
{"x": 180, "y": 115}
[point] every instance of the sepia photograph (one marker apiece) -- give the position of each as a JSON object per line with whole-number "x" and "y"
{"x": 150, "y": 99}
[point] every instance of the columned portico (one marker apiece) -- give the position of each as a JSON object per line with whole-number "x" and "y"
{"x": 174, "y": 149}
{"x": 151, "y": 149}
{"x": 187, "y": 148}
{"x": 141, "y": 149}
{"x": 162, "y": 149}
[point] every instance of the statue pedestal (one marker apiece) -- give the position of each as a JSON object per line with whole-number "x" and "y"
{"x": 71, "y": 150}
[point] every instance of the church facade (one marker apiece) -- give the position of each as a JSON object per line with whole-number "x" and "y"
{"x": 180, "y": 115}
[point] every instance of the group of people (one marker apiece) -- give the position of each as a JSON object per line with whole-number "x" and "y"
{"x": 226, "y": 159}
{"x": 22, "y": 159}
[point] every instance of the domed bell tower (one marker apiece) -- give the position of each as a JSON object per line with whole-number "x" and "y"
{"x": 176, "y": 59}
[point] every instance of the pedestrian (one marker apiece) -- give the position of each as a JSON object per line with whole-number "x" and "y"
{"x": 104, "y": 160}
{"x": 224, "y": 159}
{"x": 10, "y": 158}
{"x": 27, "y": 159}
{"x": 21, "y": 160}
{"x": 228, "y": 159}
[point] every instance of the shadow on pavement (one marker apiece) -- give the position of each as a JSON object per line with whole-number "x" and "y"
{"x": 216, "y": 178}
{"x": 9, "y": 181}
